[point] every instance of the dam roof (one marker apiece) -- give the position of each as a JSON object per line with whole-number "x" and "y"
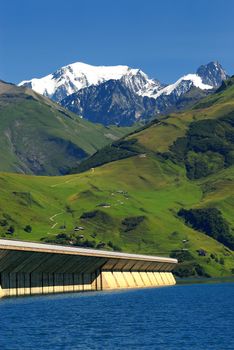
{"x": 9, "y": 244}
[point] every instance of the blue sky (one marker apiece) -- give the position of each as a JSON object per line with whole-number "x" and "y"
{"x": 166, "y": 39}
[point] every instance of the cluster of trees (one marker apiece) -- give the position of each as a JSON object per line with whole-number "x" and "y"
{"x": 28, "y": 228}
{"x": 131, "y": 223}
{"x": 117, "y": 150}
{"x": 89, "y": 214}
{"x": 100, "y": 216}
{"x": 71, "y": 239}
{"x": 187, "y": 266}
{"x": 211, "y": 222}
{"x": 207, "y": 147}
{"x": 10, "y": 229}
{"x": 114, "y": 246}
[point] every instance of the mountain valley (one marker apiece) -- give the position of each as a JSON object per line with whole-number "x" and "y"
{"x": 38, "y": 136}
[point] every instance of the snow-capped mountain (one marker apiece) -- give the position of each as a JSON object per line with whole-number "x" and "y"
{"x": 74, "y": 77}
{"x": 207, "y": 77}
{"x": 120, "y": 94}
{"x": 116, "y": 102}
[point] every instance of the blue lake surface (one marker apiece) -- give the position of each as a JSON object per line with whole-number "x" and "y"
{"x": 186, "y": 317}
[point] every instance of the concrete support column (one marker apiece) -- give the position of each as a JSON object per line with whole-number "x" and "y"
{"x": 98, "y": 280}
{"x": 68, "y": 282}
{"x": 12, "y": 284}
{"x": 27, "y": 282}
{"x": 77, "y": 282}
{"x": 58, "y": 283}
{"x": 36, "y": 283}
{"x": 87, "y": 281}
{"x": 1, "y": 293}
{"x": 20, "y": 284}
{"x": 5, "y": 284}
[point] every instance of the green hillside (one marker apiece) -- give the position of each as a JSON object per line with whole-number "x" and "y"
{"x": 37, "y": 136}
{"x": 166, "y": 189}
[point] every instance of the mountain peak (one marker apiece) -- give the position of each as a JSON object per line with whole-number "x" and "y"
{"x": 212, "y": 74}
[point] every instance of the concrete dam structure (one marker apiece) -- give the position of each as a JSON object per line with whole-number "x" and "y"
{"x": 34, "y": 268}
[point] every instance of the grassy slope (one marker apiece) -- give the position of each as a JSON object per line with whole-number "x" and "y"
{"x": 138, "y": 186}
{"x": 158, "y": 195}
{"x": 38, "y": 136}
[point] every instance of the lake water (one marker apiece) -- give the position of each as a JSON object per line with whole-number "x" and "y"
{"x": 184, "y": 317}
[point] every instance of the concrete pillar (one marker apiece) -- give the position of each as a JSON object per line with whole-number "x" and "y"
{"x": 152, "y": 278}
{"x": 120, "y": 280}
{"x": 20, "y": 283}
{"x": 12, "y": 284}
{"x": 1, "y": 292}
{"x": 93, "y": 281}
{"x": 167, "y": 275}
{"x": 27, "y": 282}
{"x": 51, "y": 283}
{"x": 171, "y": 278}
{"x": 87, "y": 281}
{"x": 137, "y": 279}
{"x": 98, "y": 280}
{"x": 36, "y": 283}
{"x": 129, "y": 279}
{"x": 108, "y": 281}
{"x": 58, "y": 283}
{"x": 5, "y": 284}
{"x": 45, "y": 283}
{"x": 164, "y": 279}
{"x": 77, "y": 282}
{"x": 68, "y": 282}
{"x": 145, "y": 279}
{"x": 158, "y": 278}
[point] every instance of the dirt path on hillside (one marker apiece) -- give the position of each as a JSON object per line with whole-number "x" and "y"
{"x": 62, "y": 183}
{"x": 54, "y": 223}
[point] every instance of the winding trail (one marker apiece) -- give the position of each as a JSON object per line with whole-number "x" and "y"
{"x": 62, "y": 183}
{"x": 54, "y": 223}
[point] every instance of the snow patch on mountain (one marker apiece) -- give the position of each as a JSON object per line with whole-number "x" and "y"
{"x": 180, "y": 87}
{"x": 44, "y": 86}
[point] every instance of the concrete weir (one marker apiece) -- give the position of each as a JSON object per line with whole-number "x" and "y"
{"x": 33, "y": 268}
